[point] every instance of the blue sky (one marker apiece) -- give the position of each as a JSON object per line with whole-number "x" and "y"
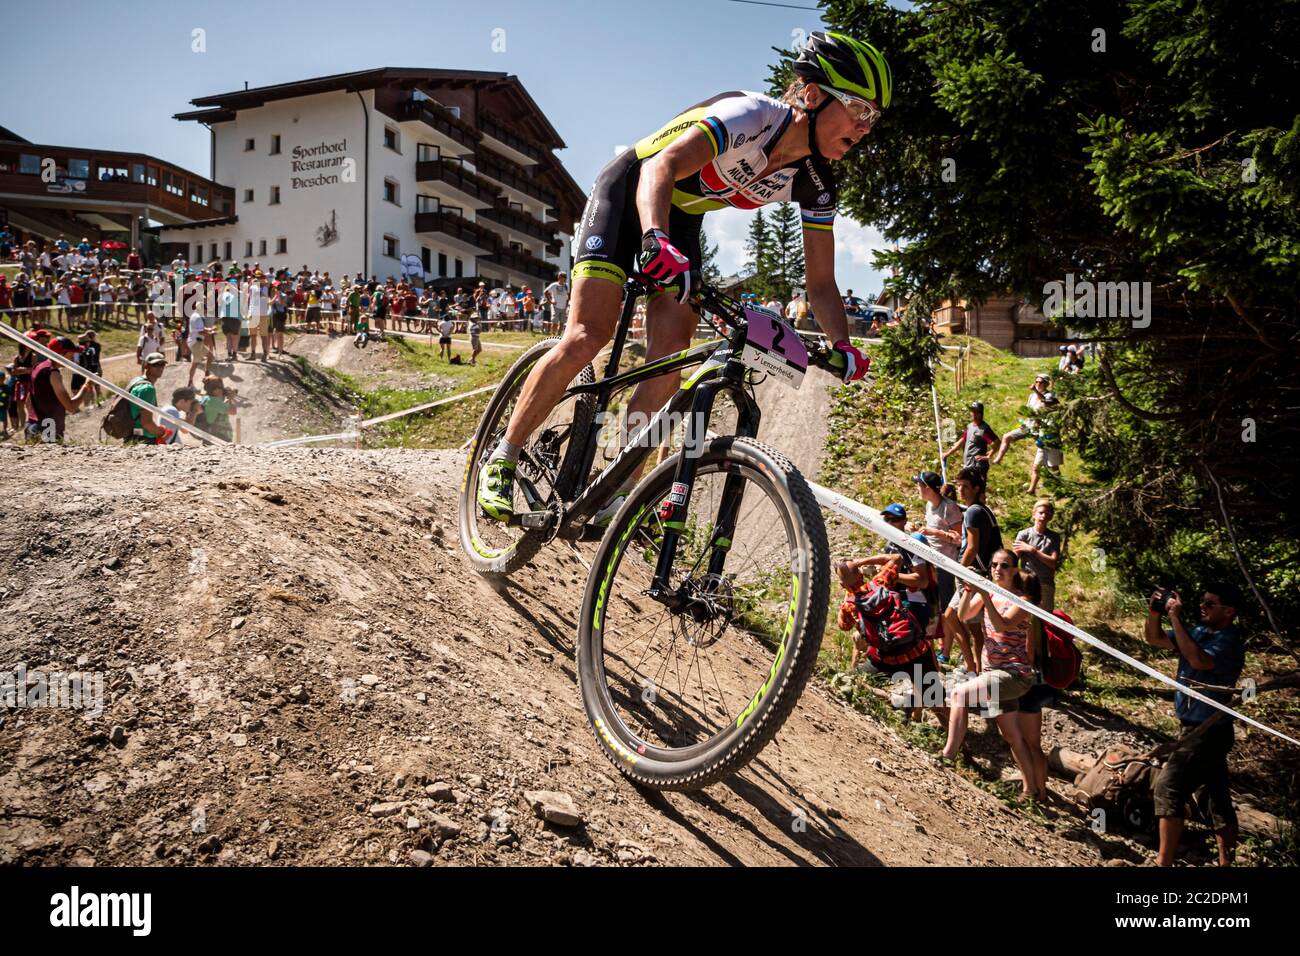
{"x": 110, "y": 75}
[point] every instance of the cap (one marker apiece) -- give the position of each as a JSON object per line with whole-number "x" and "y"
{"x": 930, "y": 479}
{"x": 976, "y": 406}
{"x": 1063, "y": 348}
{"x": 63, "y": 345}
{"x": 155, "y": 358}
{"x": 1042, "y": 377}
{"x": 895, "y": 511}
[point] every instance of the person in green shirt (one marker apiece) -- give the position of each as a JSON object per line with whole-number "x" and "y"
{"x": 362, "y": 328}
{"x": 216, "y": 408}
{"x": 148, "y": 429}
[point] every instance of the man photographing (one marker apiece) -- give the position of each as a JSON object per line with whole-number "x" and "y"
{"x": 1212, "y": 653}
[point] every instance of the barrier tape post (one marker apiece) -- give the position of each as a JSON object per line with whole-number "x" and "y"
{"x": 58, "y": 359}
{"x": 870, "y": 519}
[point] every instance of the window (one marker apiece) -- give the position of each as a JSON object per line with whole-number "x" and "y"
{"x": 248, "y": 248}
{"x": 275, "y": 196}
{"x": 174, "y": 185}
{"x": 248, "y": 195}
{"x": 151, "y": 176}
{"x": 275, "y": 144}
{"x": 454, "y": 210}
{"x": 137, "y": 172}
{"x": 281, "y": 246}
{"x": 113, "y": 174}
{"x": 390, "y": 191}
{"x": 214, "y": 252}
{"x": 198, "y": 252}
{"x": 29, "y": 165}
{"x": 78, "y": 169}
{"x": 228, "y": 254}
{"x": 425, "y": 153}
{"x": 442, "y": 265}
{"x": 390, "y": 246}
{"x": 249, "y": 145}
{"x": 391, "y": 139}
{"x": 261, "y": 247}
{"x": 460, "y": 269}
{"x": 425, "y": 203}
{"x": 454, "y": 111}
{"x": 426, "y": 259}
{"x": 198, "y": 194}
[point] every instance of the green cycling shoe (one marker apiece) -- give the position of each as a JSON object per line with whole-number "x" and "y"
{"x": 496, "y": 489}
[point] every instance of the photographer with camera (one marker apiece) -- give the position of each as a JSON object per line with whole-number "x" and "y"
{"x": 1212, "y": 653}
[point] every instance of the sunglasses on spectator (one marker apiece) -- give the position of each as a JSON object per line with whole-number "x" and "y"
{"x": 860, "y": 110}
{"x": 1211, "y": 604}
{"x": 1002, "y": 564}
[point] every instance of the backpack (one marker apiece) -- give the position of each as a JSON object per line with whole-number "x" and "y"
{"x": 1062, "y": 661}
{"x": 1120, "y": 785}
{"x": 118, "y": 423}
{"x": 883, "y": 616}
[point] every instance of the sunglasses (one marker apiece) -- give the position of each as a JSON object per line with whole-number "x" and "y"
{"x": 860, "y": 110}
{"x": 1002, "y": 564}
{"x": 1211, "y": 604}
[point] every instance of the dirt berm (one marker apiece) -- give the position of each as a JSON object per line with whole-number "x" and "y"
{"x": 299, "y": 669}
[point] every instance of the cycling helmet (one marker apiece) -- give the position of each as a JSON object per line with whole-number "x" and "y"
{"x": 846, "y": 64}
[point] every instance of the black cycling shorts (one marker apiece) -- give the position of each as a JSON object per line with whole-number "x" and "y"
{"x": 609, "y": 235}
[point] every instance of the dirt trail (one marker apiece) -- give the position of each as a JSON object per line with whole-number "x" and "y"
{"x": 299, "y": 668}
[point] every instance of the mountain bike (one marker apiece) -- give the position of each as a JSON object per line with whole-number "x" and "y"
{"x": 704, "y": 609}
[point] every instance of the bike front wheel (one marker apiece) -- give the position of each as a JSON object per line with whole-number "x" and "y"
{"x": 684, "y": 693}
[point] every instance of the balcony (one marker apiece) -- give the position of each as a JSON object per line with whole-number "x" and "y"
{"x": 489, "y": 125}
{"x": 479, "y": 238}
{"x": 520, "y": 222}
{"x": 478, "y": 189}
{"x": 495, "y": 166}
{"x": 440, "y": 118}
{"x": 526, "y": 263}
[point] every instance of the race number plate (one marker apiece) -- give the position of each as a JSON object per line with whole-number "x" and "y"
{"x": 774, "y": 347}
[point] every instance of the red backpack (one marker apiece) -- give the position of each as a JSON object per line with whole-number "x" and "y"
{"x": 1062, "y": 661}
{"x": 883, "y": 615}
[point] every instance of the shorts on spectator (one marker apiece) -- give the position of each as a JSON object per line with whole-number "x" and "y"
{"x": 1017, "y": 434}
{"x": 1051, "y": 457}
{"x": 1038, "y": 697}
{"x": 278, "y": 321}
{"x": 959, "y": 589}
{"x": 444, "y": 340}
{"x": 261, "y": 327}
{"x": 1048, "y": 599}
{"x": 1200, "y": 761}
{"x": 198, "y": 352}
{"x": 996, "y": 692}
{"x": 230, "y": 326}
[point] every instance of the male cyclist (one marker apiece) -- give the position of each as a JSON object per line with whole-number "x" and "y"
{"x": 737, "y": 149}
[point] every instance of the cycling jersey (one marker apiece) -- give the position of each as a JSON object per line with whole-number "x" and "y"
{"x": 742, "y": 128}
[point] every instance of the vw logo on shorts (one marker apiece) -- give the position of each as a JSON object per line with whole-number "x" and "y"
{"x": 593, "y": 243}
{"x": 823, "y": 199}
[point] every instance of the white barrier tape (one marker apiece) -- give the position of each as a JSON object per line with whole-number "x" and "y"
{"x": 158, "y": 413}
{"x": 870, "y": 519}
{"x": 307, "y": 440}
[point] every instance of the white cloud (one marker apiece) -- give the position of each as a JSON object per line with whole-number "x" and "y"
{"x": 854, "y": 246}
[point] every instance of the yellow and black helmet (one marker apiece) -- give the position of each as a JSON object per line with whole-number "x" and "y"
{"x": 846, "y": 64}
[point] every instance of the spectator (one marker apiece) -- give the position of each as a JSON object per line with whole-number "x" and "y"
{"x": 201, "y": 344}
{"x": 1047, "y": 443}
{"x": 977, "y": 438}
{"x": 184, "y": 406}
{"x": 475, "y": 343}
{"x": 943, "y": 525}
{"x": 1213, "y": 653}
{"x": 444, "y": 336}
{"x": 1007, "y": 659}
{"x": 559, "y": 293}
{"x": 1034, "y": 402}
{"x": 980, "y": 539}
{"x": 216, "y": 406}
{"x": 1063, "y": 366}
{"x": 150, "y": 340}
{"x": 362, "y": 330}
{"x": 1039, "y": 550}
{"x": 279, "y": 306}
{"x": 1076, "y": 359}
{"x": 148, "y": 430}
{"x": 49, "y": 401}
{"x": 8, "y": 415}
{"x": 88, "y": 358}
{"x": 228, "y": 310}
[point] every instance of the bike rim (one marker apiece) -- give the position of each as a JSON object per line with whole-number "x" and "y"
{"x": 676, "y": 686}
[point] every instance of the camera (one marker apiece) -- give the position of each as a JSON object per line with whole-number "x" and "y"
{"x": 1160, "y": 599}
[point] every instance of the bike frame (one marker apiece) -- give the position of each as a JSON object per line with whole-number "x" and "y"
{"x": 721, "y": 371}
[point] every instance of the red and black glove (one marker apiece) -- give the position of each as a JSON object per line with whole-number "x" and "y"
{"x": 664, "y": 263}
{"x": 855, "y": 363}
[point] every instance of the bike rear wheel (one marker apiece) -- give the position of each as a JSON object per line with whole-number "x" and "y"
{"x": 679, "y": 699}
{"x": 548, "y": 466}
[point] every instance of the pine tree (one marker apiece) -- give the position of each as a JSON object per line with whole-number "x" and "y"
{"x": 787, "y": 267}
{"x": 759, "y": 263}
{"x": 709, "y": 260}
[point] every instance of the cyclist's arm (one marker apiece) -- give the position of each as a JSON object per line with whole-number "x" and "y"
{"x": 687, "y": 154}
{"x": 823, "y": 294}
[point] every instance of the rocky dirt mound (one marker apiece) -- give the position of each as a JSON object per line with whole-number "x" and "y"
{"x": 298, "y": 668}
